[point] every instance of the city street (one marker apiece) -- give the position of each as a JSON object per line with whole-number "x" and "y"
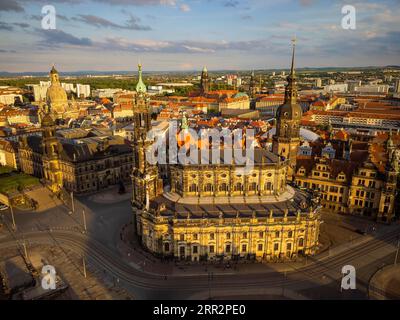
{"x": 104, "y": 222}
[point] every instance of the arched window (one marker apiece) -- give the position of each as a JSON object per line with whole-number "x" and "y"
{"x": 223, "y": 187}
{"x": 166, "y": 247}
{"x": 268, "y": 186}
{"x": 239, "y": 186}
{"x": 193, "y": 188}
{"x": 301, "y": 242}
{"x": 253, "y": 186}
{"x": 208, "y": 187}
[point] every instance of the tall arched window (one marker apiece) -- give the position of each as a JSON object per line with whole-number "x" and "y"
{"x": 193, "y": 188}
{"x": 208, "y": 187}
{"x": 239, "y": 186}
{"x": 253, "y": 186}
{"x": 223, "y": 187}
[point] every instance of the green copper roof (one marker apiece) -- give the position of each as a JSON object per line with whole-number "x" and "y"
{"x": 184, "y": 124}
{"x": 140, "y": 87}
{"x": 240, "y": 95}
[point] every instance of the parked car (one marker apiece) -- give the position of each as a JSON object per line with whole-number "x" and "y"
{"x": 3, "y": 207}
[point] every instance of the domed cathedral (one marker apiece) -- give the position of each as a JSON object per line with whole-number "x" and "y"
{"x": 205, "y": 81}
{"x": 286, "y": 141}
{"x": 145, "y": 181}
{"x": 51, "y": 153}
{"x": 57, "y": 99}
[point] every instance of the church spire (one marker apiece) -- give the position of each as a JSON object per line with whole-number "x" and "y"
{"x": 292, "y": 71}
{"x": 291, "y": 88}
{"x": 140, "y": 87}
{"x": 54, "y": 76}
{"x": 205, "y": 81}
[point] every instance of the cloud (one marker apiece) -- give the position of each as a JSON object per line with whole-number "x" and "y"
{"x": 62, "y": 17}
{"x": 198, "y": 50}
{"x": 7, "y": 51}
{"x": 21, "y": 24}
{"x": 58, "y": 38}
{"x": 307, "y": 3}
{"x": 184, "y": 7}
{"x": 140, "y": 2}
{"x": 132, "y": 23}
{"x": 10, "y": 5}
{"x": 38, "y": 17}
{"x": 114, "y": 2}
{"x": 231, "y": 3}
{"x": 6, "y": 26}
{"x": 185, "y": 46}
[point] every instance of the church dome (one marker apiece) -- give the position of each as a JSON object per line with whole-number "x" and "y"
{"x": 240, "y": 95}
{"x": 56, "y": 94}
{"x": 306, "y": 134}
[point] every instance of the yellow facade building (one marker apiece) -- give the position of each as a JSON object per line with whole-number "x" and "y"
{"x": 223, "y": 211}
{"x": 361, "y": 182}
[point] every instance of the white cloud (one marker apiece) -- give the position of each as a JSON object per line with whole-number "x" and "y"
{"x": 184, "y": 7}
{"x": 200, "y": 50}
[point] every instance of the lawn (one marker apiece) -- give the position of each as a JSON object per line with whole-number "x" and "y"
{"x": 16, "y": 181}
{"x": 5, "y": 169}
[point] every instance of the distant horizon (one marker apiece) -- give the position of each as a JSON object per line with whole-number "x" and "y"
{"x": 125, "y": 72}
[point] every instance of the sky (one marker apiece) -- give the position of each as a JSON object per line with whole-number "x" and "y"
{"x": 180, "y": 35}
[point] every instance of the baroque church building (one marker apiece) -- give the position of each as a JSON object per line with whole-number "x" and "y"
{"x": 221, "y": 211}
{"x": 57, "y": 100}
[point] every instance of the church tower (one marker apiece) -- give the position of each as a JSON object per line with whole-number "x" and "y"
{"x": 389, "y": 190}
{"x": 146, "y": 184}
{"x": 286, "y": 140}
{"x": 252, "y": 86}
{"x": 205, "y": 81}
{"x": 51, "y": 153}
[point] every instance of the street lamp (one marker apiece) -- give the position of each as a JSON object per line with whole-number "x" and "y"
{"x": 84, "y": 219}
{"x": 210, "y": 277}
{"x": 12, "y": 217}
